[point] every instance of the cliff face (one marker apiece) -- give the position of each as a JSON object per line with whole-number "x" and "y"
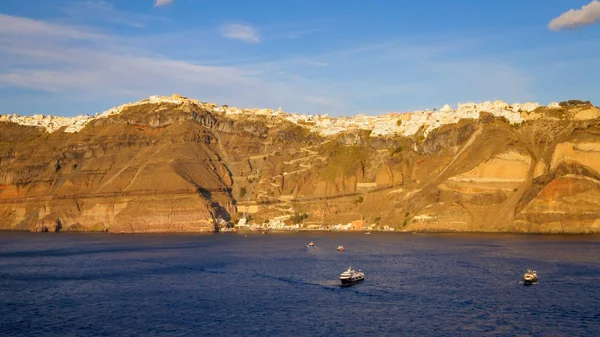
{"x": 176, "y": 167}
{"x": 157, "y": 168}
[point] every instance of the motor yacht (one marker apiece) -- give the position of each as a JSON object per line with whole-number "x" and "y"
{"x": 530, "y": 277}
{"x": 351, "y": 277}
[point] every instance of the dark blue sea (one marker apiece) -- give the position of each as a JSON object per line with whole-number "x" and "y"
{"x": 60, "y": 284}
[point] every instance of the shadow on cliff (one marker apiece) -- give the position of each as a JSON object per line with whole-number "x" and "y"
{"x": 219, "y": 212}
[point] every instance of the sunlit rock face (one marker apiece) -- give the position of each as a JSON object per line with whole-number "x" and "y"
{"x": 171, "y": 164}
{"x": 149, "y": 168}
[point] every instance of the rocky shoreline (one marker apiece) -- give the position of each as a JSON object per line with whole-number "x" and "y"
{"x": 320, "y": 231}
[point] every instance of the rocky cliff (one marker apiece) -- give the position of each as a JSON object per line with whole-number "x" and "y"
{"x": 173, "y": 167}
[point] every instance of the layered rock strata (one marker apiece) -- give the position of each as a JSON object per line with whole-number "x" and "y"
{"x": 180, "y": 165}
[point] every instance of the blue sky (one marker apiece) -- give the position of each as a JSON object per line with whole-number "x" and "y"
{"x": 70, "y": 57}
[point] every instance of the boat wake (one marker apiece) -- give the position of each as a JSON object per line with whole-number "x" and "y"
{"x": 287, "y": 280}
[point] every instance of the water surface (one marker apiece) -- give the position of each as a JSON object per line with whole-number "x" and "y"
{"x": 228, "y": 285}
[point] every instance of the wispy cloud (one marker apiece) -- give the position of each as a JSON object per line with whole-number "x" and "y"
{"x": 301, "y": 33}
{"x": 312, "y": 62}
{"x": 574, "y": 18}
{"x": 58, "y": 61}
{"x": 75, "y": 60}
{"x": 12, "y": 26}
{"x": 159, "y": 3}
{"x": 67, "y": 61}
{"x": 240, "y": 32}
{"x": 102, "y": 11}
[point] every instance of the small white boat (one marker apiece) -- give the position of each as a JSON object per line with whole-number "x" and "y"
{"x": 311, "y": 244}
{"x": 368, "y": 233}
{"x": 530, "y": 277}
{"x": 351, "y": 277}
{"x": 340, "y": 248}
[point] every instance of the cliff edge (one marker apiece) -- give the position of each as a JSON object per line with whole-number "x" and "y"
{"x": 177, "y": 165}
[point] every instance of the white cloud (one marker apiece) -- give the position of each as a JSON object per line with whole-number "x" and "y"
{"x": 574, "y": 18}
{"x": 159, "y": 3}
{"x": 311, "y": 62}
{"x": 240, "y": 32}
{"x": 62, "y": 62}
{"x": 53, "y": 57}
{"x": 13, "y": 26}
{"x": 301, "y": 33}
{"x": 78, "y": 62}
{"x": 93, "y": 11}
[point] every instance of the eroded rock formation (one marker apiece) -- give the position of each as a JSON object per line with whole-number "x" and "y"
{"x": 179, "y": 166}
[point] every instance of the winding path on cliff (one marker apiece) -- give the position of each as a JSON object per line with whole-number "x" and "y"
{"x": 125, "y": 167}
{"x": 140, "y": 169}
{"x": 464, "y": 148}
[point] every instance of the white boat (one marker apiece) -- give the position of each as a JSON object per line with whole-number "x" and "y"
{"x": 351, "y": 277}
{"x": 530, "y": 277}
{"x": 340, "y": 248}
{"x": 368, "y": 233}
{"x": 311, "y": 244}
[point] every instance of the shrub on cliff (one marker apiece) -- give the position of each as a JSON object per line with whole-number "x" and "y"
{"x": 574, "y": 102}
{"x": 398, "y": 150}
{"x": 292, "y": 132}
{"x": 299, "y": 217}
{"x": 343, "y": 160}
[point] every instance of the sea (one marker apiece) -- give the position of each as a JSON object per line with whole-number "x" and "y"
{"x": 229, "y": 284}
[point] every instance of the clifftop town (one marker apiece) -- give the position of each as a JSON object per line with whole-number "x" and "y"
{"x": 75, "y": 124}
{"x": 394, "y": 123}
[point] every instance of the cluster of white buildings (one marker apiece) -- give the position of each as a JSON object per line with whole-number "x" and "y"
{"x": 407, "y": 123}
{"x": 276, "y": 224}
{"x": 75, "y": 124}
{"x": 233, "y": 111}
{"x": 50, "y": 123}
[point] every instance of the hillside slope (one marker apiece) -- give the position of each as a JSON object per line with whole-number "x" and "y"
{"x": 162, "y": 167}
